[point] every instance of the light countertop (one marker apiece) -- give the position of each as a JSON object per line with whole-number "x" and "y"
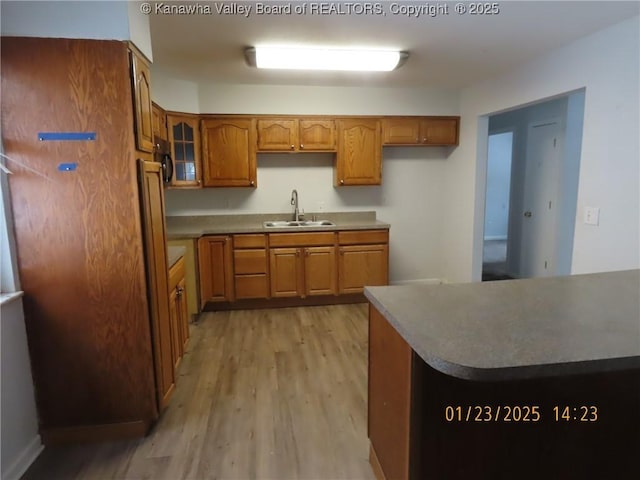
{"x": 196, "y": 226}
{"x": 174, "y": 254}
{"x": 517, "y": 329}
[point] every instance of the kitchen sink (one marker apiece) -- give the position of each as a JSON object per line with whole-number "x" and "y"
{"x": 301, "y": 223}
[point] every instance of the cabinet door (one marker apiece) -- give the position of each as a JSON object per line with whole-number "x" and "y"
{"x": 401, "y": 131}
{"x": 439, "y": 131}
{"x": 183, "y": 313}
{"x": 359, "y": 157}
{"x": 159, "y": 120}
{"x": 142, "y": 102}
{"x": 320, "y": 271}
{"x": 184, "y": 136}
{"x": 229, "y": 152}
{"x": 155, "y": 242}
{"x": 361, "y": 265}
{"x": 215, "y": 262}
{"x": 277, "y": 134}
{"x": 176, "y": 333}
{"x": 389, "y": 393}
{"x": 287, "y": 272}
{"x": 317, "y": 135}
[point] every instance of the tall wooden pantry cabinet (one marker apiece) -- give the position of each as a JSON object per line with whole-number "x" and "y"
{"x": 91, "y": 262}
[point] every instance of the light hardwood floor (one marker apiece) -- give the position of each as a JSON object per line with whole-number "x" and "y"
{"x": 262, "y": 394}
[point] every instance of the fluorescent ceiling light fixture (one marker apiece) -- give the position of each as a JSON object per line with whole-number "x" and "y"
{"x": 299, "y": 58}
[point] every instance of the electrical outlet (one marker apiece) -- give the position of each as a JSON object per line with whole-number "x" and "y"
{"x": 321, "y": 206}
{"x": 591, "y": 215}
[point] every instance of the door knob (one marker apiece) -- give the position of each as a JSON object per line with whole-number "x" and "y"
{"x": 528, "y": 214}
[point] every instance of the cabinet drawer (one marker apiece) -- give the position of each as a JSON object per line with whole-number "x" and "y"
{"x": 249, "y": 241}
{"x": 252, "y": 286}
{"x": 176, "y": 273}
{"x": 359, "y": 237}
{"x": 301, "y": 239}
{"x": 250, "y": 261}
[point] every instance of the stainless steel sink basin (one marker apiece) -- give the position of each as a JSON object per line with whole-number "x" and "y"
{"x": 302, "y": 223}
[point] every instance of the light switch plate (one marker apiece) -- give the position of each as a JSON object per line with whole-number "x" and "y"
{"x": 591, "y": 215}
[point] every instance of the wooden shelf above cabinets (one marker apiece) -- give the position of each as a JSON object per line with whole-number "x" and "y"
{"x": 279, "y": 134}
{"x": 427, "y": 131}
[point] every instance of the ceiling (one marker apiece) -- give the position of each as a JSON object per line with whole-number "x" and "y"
{"x": 445, "y": 50}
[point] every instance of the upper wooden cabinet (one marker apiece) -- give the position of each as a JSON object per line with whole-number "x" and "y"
{"x": 184, "y": 137}
{"x": 141, "y": 78}
{"x": 359, "y": 157}
{"x": 293, "y": 135}
{"x": 420, "y": 130}
{"x": 159, "y": 121}
{"x": 229, "y": 152}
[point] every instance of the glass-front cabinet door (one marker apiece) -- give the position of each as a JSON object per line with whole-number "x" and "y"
{"x": 184, "y": 136}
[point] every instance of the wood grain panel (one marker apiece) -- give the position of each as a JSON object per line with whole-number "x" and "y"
{"x": 215, "y": 262}
{"x": 252, "y": 286}
{"x": 250, "y": 261}
{"x": 359, "y": 157}
{"x": 301, "y": 239}
{"x": 362, "y": 265}
{"x": 389, "y": 396}
{"x": 79, "y": 246}
{"x": 359, "y": 237}
{"x": 320, "y": 271}
{"x": 250, "y": 241}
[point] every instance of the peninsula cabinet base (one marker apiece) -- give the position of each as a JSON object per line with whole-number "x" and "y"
{"x": 566, "y": 427}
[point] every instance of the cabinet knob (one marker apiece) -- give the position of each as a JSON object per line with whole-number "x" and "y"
{"x": 293, "y": 147}
{"x": 341, "y": 182}
{"x": 424, "y": 140}
{"x": 252, "y": 183}
{"x": 301, "y": 146}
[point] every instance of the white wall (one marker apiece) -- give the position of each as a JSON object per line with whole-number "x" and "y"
{"x": 411, "y": 191}
{"x": 19, "y": 439}
{"x": 607, "y": 65}
{"x": 65, "y": 19}
{"x": 173, "y": 94}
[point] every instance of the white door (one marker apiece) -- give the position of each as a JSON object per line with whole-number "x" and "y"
{"x": 544, "y": 154}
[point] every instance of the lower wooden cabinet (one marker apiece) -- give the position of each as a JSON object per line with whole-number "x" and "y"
{"x": 291, "y": 265}
{"x": 250, "y": 266}
{"x": 179, "y": 313}
{"x": 302, "y": 272}
{"x": 363, "y": 260}
{"x": 215, "y": 262}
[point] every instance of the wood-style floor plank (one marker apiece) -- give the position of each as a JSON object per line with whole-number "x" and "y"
{"x": 262, "y": 394}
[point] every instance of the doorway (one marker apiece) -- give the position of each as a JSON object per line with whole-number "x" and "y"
{"x": 496, "y": 220}
{"x": 537, "y": 184}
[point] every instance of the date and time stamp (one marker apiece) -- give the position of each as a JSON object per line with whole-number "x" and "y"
{"x": 520, "y": 414}
{"x": 409, "y": 9}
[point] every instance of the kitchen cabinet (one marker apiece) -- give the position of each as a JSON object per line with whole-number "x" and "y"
{"x": 190, "y": 273}
{"x": 229, "y": 152}
{"x": 363, "y": 260}
{"x": 302, "y": 264}
{"x": 428, "y": 131}
{"x": 215, "y": 261}
{"x": 141, "y": 79}
{"x": 179, "y": 311}
{"x": 296, "y": 135}
{"x": 159, "y": 121}
{"x": 359, "y": 155}
{"x": 250, "y": 266}
{"x": 92, "y": 256}
{"x": 184, "y": 136}
{"x": 389, "y": 396}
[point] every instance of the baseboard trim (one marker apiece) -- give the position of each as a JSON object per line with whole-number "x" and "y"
{"x": 420, "y": 281}
{"x": 94, "y": 433}
{"x": 286, "y": 302}
{"x": 495, "y": 237}
{"x": 375, "y": 463}
{"x": 24, "y": 460}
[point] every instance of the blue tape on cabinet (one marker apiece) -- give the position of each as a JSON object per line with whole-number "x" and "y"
{"x": 67, "y": 167}
{"x": 66, "y": 136}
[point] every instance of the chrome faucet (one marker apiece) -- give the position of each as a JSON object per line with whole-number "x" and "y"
{"x": 294, "y": 202}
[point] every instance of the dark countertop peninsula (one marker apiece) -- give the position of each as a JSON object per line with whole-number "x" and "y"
{"x": 520, "y": 329}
